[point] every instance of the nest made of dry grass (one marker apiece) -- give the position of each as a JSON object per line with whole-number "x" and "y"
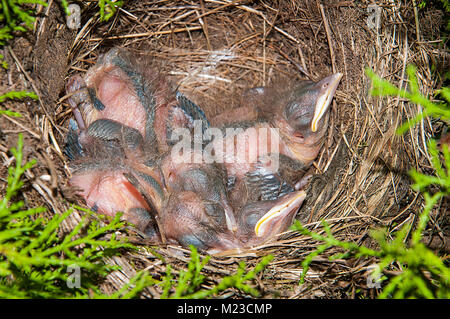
{"x": 215, "y": 49}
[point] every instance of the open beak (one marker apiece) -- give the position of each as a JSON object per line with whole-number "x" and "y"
{"x": 279, "y": 212}
{"x": 329, "y": 85}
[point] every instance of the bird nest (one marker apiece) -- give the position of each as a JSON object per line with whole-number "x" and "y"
{"x": 214, "y": 50}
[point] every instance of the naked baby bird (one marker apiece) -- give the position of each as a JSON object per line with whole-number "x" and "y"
{"x": 119, "y": 151}
{"x": 273, "y": 146}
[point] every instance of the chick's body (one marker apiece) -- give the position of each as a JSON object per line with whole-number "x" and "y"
{"x": 120, "y": 155}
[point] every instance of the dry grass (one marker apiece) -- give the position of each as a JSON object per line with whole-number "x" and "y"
{"x": 214, "y": 49}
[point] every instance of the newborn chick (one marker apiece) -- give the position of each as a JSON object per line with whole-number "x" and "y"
{"x": 99, "y": 166}
{"x": 260, "y": 221}
{"x": 278, "y": 145}
{"x": 120, "y": 156}
{"x": 124, "y": 88}
{"x": 300, "y": 113}
{"x": 190, "y": 220}
{"x": 125, "y": 117}
{"x": 207, "y": 180}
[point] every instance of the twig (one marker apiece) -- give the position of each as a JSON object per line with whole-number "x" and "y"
{"x": 53, "y": 173}
{"x": 42, "y": 25}
{"x": 302, "y": 60}
{"x": 146, "y": 34}
{"x": 33, "y": 85}
{"x": 251, "y": 10}
{"x": 264, "y": 52}
{"x": 34, "y": 134}
{"x": 328, "y": 32}
{"x": 373, "y": 116}
{"x": 330, "y": 159}
{"x": 416, "y": 20}
{"x": 204, "y": 26}
{"x": 302, "y": 69}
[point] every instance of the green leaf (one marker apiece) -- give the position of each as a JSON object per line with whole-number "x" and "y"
{"x": 18, "y": 95}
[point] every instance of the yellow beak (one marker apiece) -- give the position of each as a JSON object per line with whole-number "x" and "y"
{"x": 324, "y": 100}
{"x": 278, "y": 211}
